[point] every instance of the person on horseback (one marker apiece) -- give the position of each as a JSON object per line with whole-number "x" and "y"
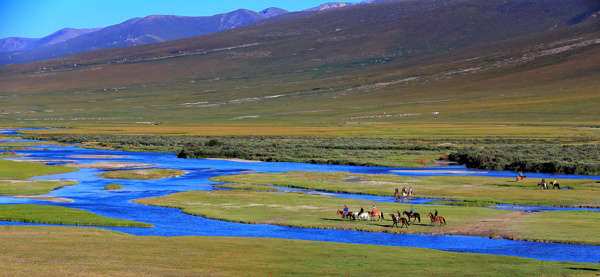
{"x": 410, "y": 192}
{"x": 361, "y": 211}
{"x": 396, "y": 195}
{"x": 435, "y": 215}
{"x": 345, "y": 213}
{"x": 374, "y": 211}
{"x": 412, "y": 210}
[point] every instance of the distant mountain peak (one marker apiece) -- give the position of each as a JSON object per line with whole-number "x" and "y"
{"x": 270, "y": 12}
{"x": 332, "y": 5}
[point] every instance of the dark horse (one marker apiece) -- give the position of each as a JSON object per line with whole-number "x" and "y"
{"x": 415, "y": 215}
{"x": 438, "y": 218}
{"x": 348, "y": 215}
{"x": 399, "y": 219}
{"x": 555, "y": 186}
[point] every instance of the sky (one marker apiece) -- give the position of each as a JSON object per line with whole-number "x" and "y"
{"x": 39, "y": 18}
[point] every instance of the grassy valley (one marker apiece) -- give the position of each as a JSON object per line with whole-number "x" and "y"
{"x": 408, "y": 67}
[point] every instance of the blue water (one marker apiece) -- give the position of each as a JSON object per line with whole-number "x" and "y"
{"x": 89, "y": 195}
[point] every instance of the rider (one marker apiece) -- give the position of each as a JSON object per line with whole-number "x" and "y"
{"x": 361, "y": 211}
{"x": 412, "y": 210}
{"x": 345, "y": 211}
{"x": 374, "y": 211}
{"x": 410, "y": 191}
{"x": 435, "y": 215}
{"x": 396, "y": 195}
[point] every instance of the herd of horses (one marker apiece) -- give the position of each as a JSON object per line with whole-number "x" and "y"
{"x": 370, "y": 216}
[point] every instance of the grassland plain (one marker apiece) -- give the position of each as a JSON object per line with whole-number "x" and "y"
{"x": 316, "y": 211}
{"x": 97, "y": 252}
{"x": 469, "y": 190}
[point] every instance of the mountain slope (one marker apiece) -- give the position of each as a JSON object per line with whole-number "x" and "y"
{"x": 435, "y": 62}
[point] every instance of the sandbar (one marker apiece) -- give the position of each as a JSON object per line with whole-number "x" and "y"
{"x": 110, "y": 165}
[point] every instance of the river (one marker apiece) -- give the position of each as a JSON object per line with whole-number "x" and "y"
{"x": 89, "y": 195}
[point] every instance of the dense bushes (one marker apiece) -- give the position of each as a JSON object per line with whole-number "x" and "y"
{"x": 549, "y": 158}
{"x": 568, "y": 155}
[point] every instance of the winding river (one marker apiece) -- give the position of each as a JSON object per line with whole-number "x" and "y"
{"x": 90, "y": 195}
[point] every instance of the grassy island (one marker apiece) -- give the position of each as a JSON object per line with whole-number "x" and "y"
{"x": 113, "y": 187}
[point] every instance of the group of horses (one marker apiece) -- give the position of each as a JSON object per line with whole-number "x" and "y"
{"x": 542, "y": 184}
{"x": 368, "y": 216}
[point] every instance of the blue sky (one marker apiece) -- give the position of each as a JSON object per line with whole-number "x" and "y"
{"x": 39, "y": 18}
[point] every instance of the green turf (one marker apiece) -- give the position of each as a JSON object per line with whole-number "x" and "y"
{"x": 61, "y": 215}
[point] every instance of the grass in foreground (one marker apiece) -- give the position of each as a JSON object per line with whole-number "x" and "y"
{"x": 97, "y": 252}
{"x": 61, "y": 215}
{"x": 143, "y": 174}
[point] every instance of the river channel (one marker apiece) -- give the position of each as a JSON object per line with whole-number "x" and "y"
{"x": 89, "y": 195}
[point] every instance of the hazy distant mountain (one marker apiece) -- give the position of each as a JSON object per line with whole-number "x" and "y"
{"x": 136, "y": 31}
{"x": 15, "y": 43}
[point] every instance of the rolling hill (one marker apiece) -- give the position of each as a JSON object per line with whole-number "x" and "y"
{"x": 461, "y": 63}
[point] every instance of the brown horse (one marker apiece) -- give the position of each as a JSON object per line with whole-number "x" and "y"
{"x": 413, "y": 215}
{"x": 399, "y": 219}
{"x": 521, "y": 178}
{"x": 348, "y": 215}
{"x": 378, "y": 215}
{"x": 438, "y": 218}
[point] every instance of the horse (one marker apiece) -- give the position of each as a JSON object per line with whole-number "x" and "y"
{"x": 521, "y": 178}
{"x": 378, "y": 215}
{"x": 543, "y": 185}
{"x": 438, "y": 218}
{"x": 349, "y": 214}
{"x": 399, "y": 219}
{"x": 363, "y": 215}
{"x": 555, "y": 186}
{"x": 415, "y": 215}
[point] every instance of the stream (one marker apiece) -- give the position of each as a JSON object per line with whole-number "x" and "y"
{"x": 89, "y": 195}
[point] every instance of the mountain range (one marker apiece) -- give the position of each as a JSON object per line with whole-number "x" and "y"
{"x": 136, "y": 31}
{"x": 496, "y": 61}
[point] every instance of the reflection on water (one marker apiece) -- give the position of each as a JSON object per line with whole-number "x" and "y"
{"x": 90, "y": 195}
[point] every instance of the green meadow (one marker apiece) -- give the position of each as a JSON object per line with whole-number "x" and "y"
{"x": 31, "y": 187}
{"x": 473, "y": 191}
{"x": 96, "y": 252}
{"x": 25, "y": 170}
{"x": 61, "y": 215}
{"x": 306, "y": 210}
